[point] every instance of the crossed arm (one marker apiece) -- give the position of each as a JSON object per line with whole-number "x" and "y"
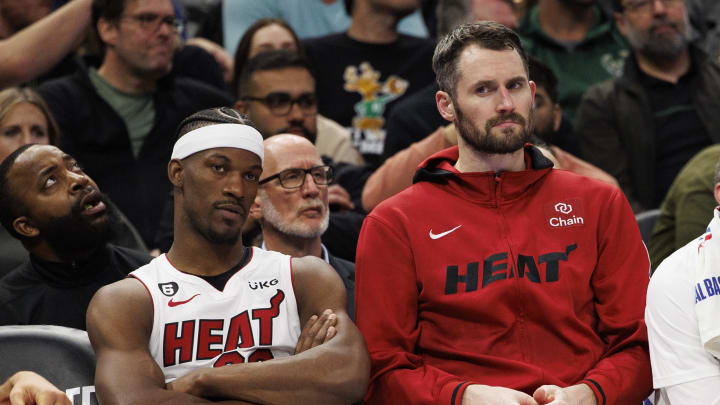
{"x": 335, "y": 372}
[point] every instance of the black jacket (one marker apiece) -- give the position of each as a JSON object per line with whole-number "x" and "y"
{"x": 39, "y": 292}
{"x": 617, "y": 133}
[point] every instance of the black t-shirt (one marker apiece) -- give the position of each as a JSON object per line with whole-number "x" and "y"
{"x": 39, "y": 292}
{"x": 679, "y": 132}
{"x": 359, "y": 83}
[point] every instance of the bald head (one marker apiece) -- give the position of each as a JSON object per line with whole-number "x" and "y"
{"x": 290, "y": 208}
{"x": 279, "y": 149}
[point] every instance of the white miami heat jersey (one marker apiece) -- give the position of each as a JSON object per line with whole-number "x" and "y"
{"x": 254, "y": 318}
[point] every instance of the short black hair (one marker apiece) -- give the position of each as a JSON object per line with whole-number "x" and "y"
{"x": 211, "y": 116}
{"x": 9, "y": 206}
{"x": 486, "y": 34}
{"x": 271, "y": 60}
{"x": 110, "y": 10}
{"x": 544, "y": 77}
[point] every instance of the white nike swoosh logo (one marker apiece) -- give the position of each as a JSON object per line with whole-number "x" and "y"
{"x": 440, "y": 235}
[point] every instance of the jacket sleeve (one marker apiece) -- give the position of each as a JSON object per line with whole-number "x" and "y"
{"x": 600, "y": 141}
{"x": 386, "y": 300}
{"x": 620, "y": 283}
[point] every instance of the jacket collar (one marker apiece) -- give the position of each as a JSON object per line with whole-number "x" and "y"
{"x": 483, "y": 186}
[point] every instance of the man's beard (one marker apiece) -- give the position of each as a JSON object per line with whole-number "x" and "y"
{"x": 662, "y": 46}
{"x": 74, "y": 234}
{"x": 272, "y": 217}
{"x": 306, "y": 133}
{"x": 508, "y": 141}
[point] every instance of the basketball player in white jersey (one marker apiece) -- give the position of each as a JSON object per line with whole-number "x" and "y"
{"x": 213, "y": 319}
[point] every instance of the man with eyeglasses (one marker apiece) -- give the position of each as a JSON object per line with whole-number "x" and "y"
{"x": 292, "y": 204}
{"x": 212, "y": 320}
{"x": 119, "y": 118}
{"x": 645, "y": 125}
{"x": 277, "y": 92}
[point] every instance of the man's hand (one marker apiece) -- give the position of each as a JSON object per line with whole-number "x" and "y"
{"x": 579, "y": 394}
{"x": 339, "y": 198}
{"x": 317, "y": 331}
{"x": 487, "y": 395}
{"x": 28, "y": 388}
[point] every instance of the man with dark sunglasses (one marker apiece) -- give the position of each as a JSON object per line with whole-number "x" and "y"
{"x": 292, "y": 204}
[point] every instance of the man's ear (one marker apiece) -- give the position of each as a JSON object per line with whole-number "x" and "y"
{"x": 620, "y": 23}
{"x": 24, "y": 227}
{"x": 445, "y": 105}
{"x": 176, "y": 173}
{"x": 256, "y": 209}
{"x": 716, "y": 193}
{"x": 557, "y": 117}
{"x": 108, "y": 31}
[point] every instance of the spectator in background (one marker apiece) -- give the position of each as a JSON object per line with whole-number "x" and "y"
{"x": 309, "y": 18}
{"x": 118, "y": 119}
{"x": 366, "y": 70}
{"x": 24, "y": 119}
{"x": 32, "y": 42}
{"x": 285, "y": 74}
{"x": 276, "y": 90}
{"x": 645, "y": 125}
{"x": 57, "y": 212}
{"x": 688, "y": 206}
{"x": 578, "y": 41}
{"x": 293, "y": 208}
{"x": 265, "y": 35}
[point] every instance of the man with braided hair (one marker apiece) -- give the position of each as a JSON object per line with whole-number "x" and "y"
{"x": 216, "y": 319}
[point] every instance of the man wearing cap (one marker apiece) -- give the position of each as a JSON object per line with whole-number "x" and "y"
{"x": 210, "y": 314}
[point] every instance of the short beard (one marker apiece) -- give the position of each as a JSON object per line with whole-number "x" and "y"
{"x": 485, "y": 142}
{"x": 72, "y": 235}
{"x": 306, "y": 133}
{"x": 660, "y": 47}
{"x": 272, "y": 217}
{"x": 206, "y": 231}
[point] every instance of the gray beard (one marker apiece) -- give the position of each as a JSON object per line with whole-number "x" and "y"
{"x": 273, "y": 218}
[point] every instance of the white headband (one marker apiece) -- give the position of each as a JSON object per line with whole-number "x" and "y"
{"x": 219, "y": 136}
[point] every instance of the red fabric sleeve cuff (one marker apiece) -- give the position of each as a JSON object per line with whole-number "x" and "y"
{"x": 452, "y": 392}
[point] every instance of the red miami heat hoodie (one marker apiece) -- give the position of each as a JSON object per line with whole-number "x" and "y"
{"x": 516, "y": 279}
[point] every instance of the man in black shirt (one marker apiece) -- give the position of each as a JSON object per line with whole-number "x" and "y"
{"x": 58, "y": 213}
{"x": 645, "y": 125}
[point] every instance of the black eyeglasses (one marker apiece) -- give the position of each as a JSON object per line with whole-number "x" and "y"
{"x": 152, "y": 22}
{"x": 295, "y": 178}
{"x": 281, "y": 103}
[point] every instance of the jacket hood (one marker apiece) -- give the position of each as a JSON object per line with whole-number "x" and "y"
{"x": 483, "y": 186}
{"x": 433, "y": 170}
